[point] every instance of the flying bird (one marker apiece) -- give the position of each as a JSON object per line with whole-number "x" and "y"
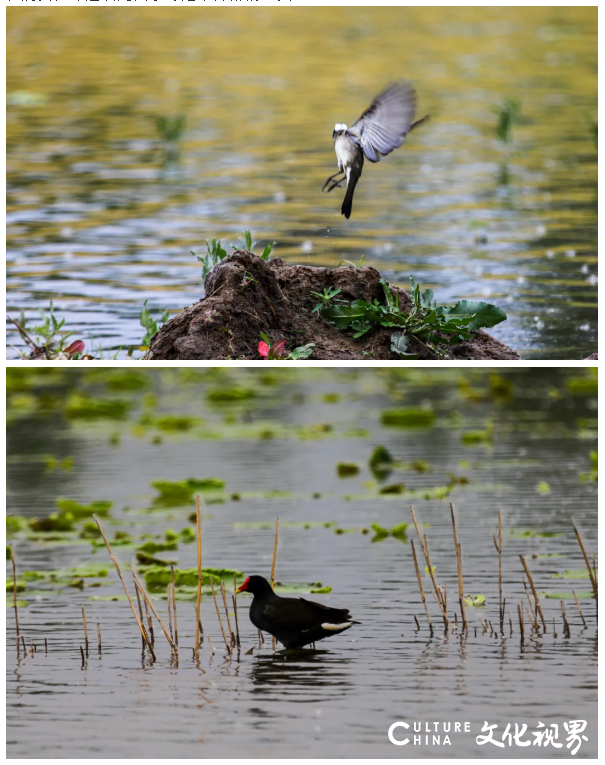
{"x": 380, "y": 129}
{"x": 295, "y": 622}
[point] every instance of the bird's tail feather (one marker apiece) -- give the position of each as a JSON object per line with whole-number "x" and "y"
{"x": 347, "y": 203}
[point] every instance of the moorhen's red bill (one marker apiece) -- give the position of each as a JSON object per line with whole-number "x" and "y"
{"x": 295, "y": 622}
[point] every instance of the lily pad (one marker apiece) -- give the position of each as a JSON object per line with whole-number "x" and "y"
{"x": 176, "y": 493}
{"x": 579, "y": 573}
{"x": 381, "y": 462}
{"x": 474, "y": 601}
{"x": 16, "y": 523}
{"x": 347, "y": 469}
{"x": 174, "y": 423}
{"x": 230, "y": 394}
{"x": 532, "y": 534}
{"x": 77, "y": 510}
{"x": 397, "y": 532}
{"x": 394, "y": 488}
{"x": 81, "y": 407}
{"x": 476, "y": 437}
{"x": 408, "y": 418}
{"x": 53, "y": 522}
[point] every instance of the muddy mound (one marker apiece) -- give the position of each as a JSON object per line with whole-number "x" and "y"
{"x": 246, "y": 295}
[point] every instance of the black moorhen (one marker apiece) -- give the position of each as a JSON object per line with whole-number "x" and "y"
{"x": 295, "y": 622}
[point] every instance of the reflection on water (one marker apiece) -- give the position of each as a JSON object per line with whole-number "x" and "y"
{"x": 338, "y": 700}
{"x": 98, "y": 223}
{"x": 294, "y": 674}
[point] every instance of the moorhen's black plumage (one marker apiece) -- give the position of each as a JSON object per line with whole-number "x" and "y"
{"x": 295, "y": 622}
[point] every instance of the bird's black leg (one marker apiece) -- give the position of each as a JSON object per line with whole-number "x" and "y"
{"x": 336, "y": 184}
{"x": 331, "y": 178}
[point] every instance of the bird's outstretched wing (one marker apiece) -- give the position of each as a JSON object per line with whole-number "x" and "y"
{"x": 384, "y": 126}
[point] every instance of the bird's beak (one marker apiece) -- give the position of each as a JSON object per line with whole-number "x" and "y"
{"x": 244, "y": 586}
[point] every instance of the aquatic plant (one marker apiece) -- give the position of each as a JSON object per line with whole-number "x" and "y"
{"x": 215, "y": 252}
{"x": 50, "y": 342}
{"x": 397, "y": 532}
{"x": 508, "y": 114}
{"x": 78, "y": 510}
{"x": 249, "y": 245}
{"x": 475, "y": 437}
{"x": 177, "y": 493}
{"x": 408, "y": 418}
{"x": 433, "y": 326}
{"x": 593, "y": 474}
{"x": 171, "y": 129}
{"x": 150, "y": 325}
{"x": 381, "y": 462}
{"x": 593, "y": 127}
{"x": 346, "y": 469}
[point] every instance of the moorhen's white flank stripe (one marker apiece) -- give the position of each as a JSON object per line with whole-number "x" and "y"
{"x": 336, "y": 627}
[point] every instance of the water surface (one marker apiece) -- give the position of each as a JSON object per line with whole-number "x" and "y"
{"x": 340, "y": 700}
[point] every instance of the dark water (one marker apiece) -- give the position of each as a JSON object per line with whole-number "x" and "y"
{"x": 98, "y": 224}
{"x": 340, "y": 700}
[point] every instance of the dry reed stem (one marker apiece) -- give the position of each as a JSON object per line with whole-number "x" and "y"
{"x": 274, "y": 553}
{"x": 566, "y": 630}
{"x": 235, "y": 611}
{"x": 533, "y": 589}
{"x": 579, "y": 609}
{"x": 521, "y": 627}
{"x": 591, "y": 573}
{"x": 498, "y": 546}
{"x": 417, "y": 622}
{"x": 532, "y": 613}
{"x": 176, "y": 626}
{"x": 224, "y": 596}
{"x": 23, "y": 644}
{"x": 99, "y": 636}
{"x": 273, "y": 567}
{"x": 149, "y": 621}
{"x": 210, "y": 644}
{"x": 45, "y": 646}
{"x": 155, "y": 613}
{"x": 261, "y": 639}
{"x": 218, "y": 613}
{"x": 115, "y": 563}
{"x": 426, "y": 610}
{"x": 440, "y": 597}
{"x": 85, "y": 630}
{"x": 198, "y": 601}
{"x": 82, "y": 655}
{"x": 425, "y": 549}
{"x": 459, "y": 563}
{"x": 15, "y": 596}
{"x": 170, "y": 612}
{"x": 136, "y": 589}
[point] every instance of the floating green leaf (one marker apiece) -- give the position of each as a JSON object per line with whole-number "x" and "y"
{"x": 408, "y": 418}
{"x": 347, "y": 469}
